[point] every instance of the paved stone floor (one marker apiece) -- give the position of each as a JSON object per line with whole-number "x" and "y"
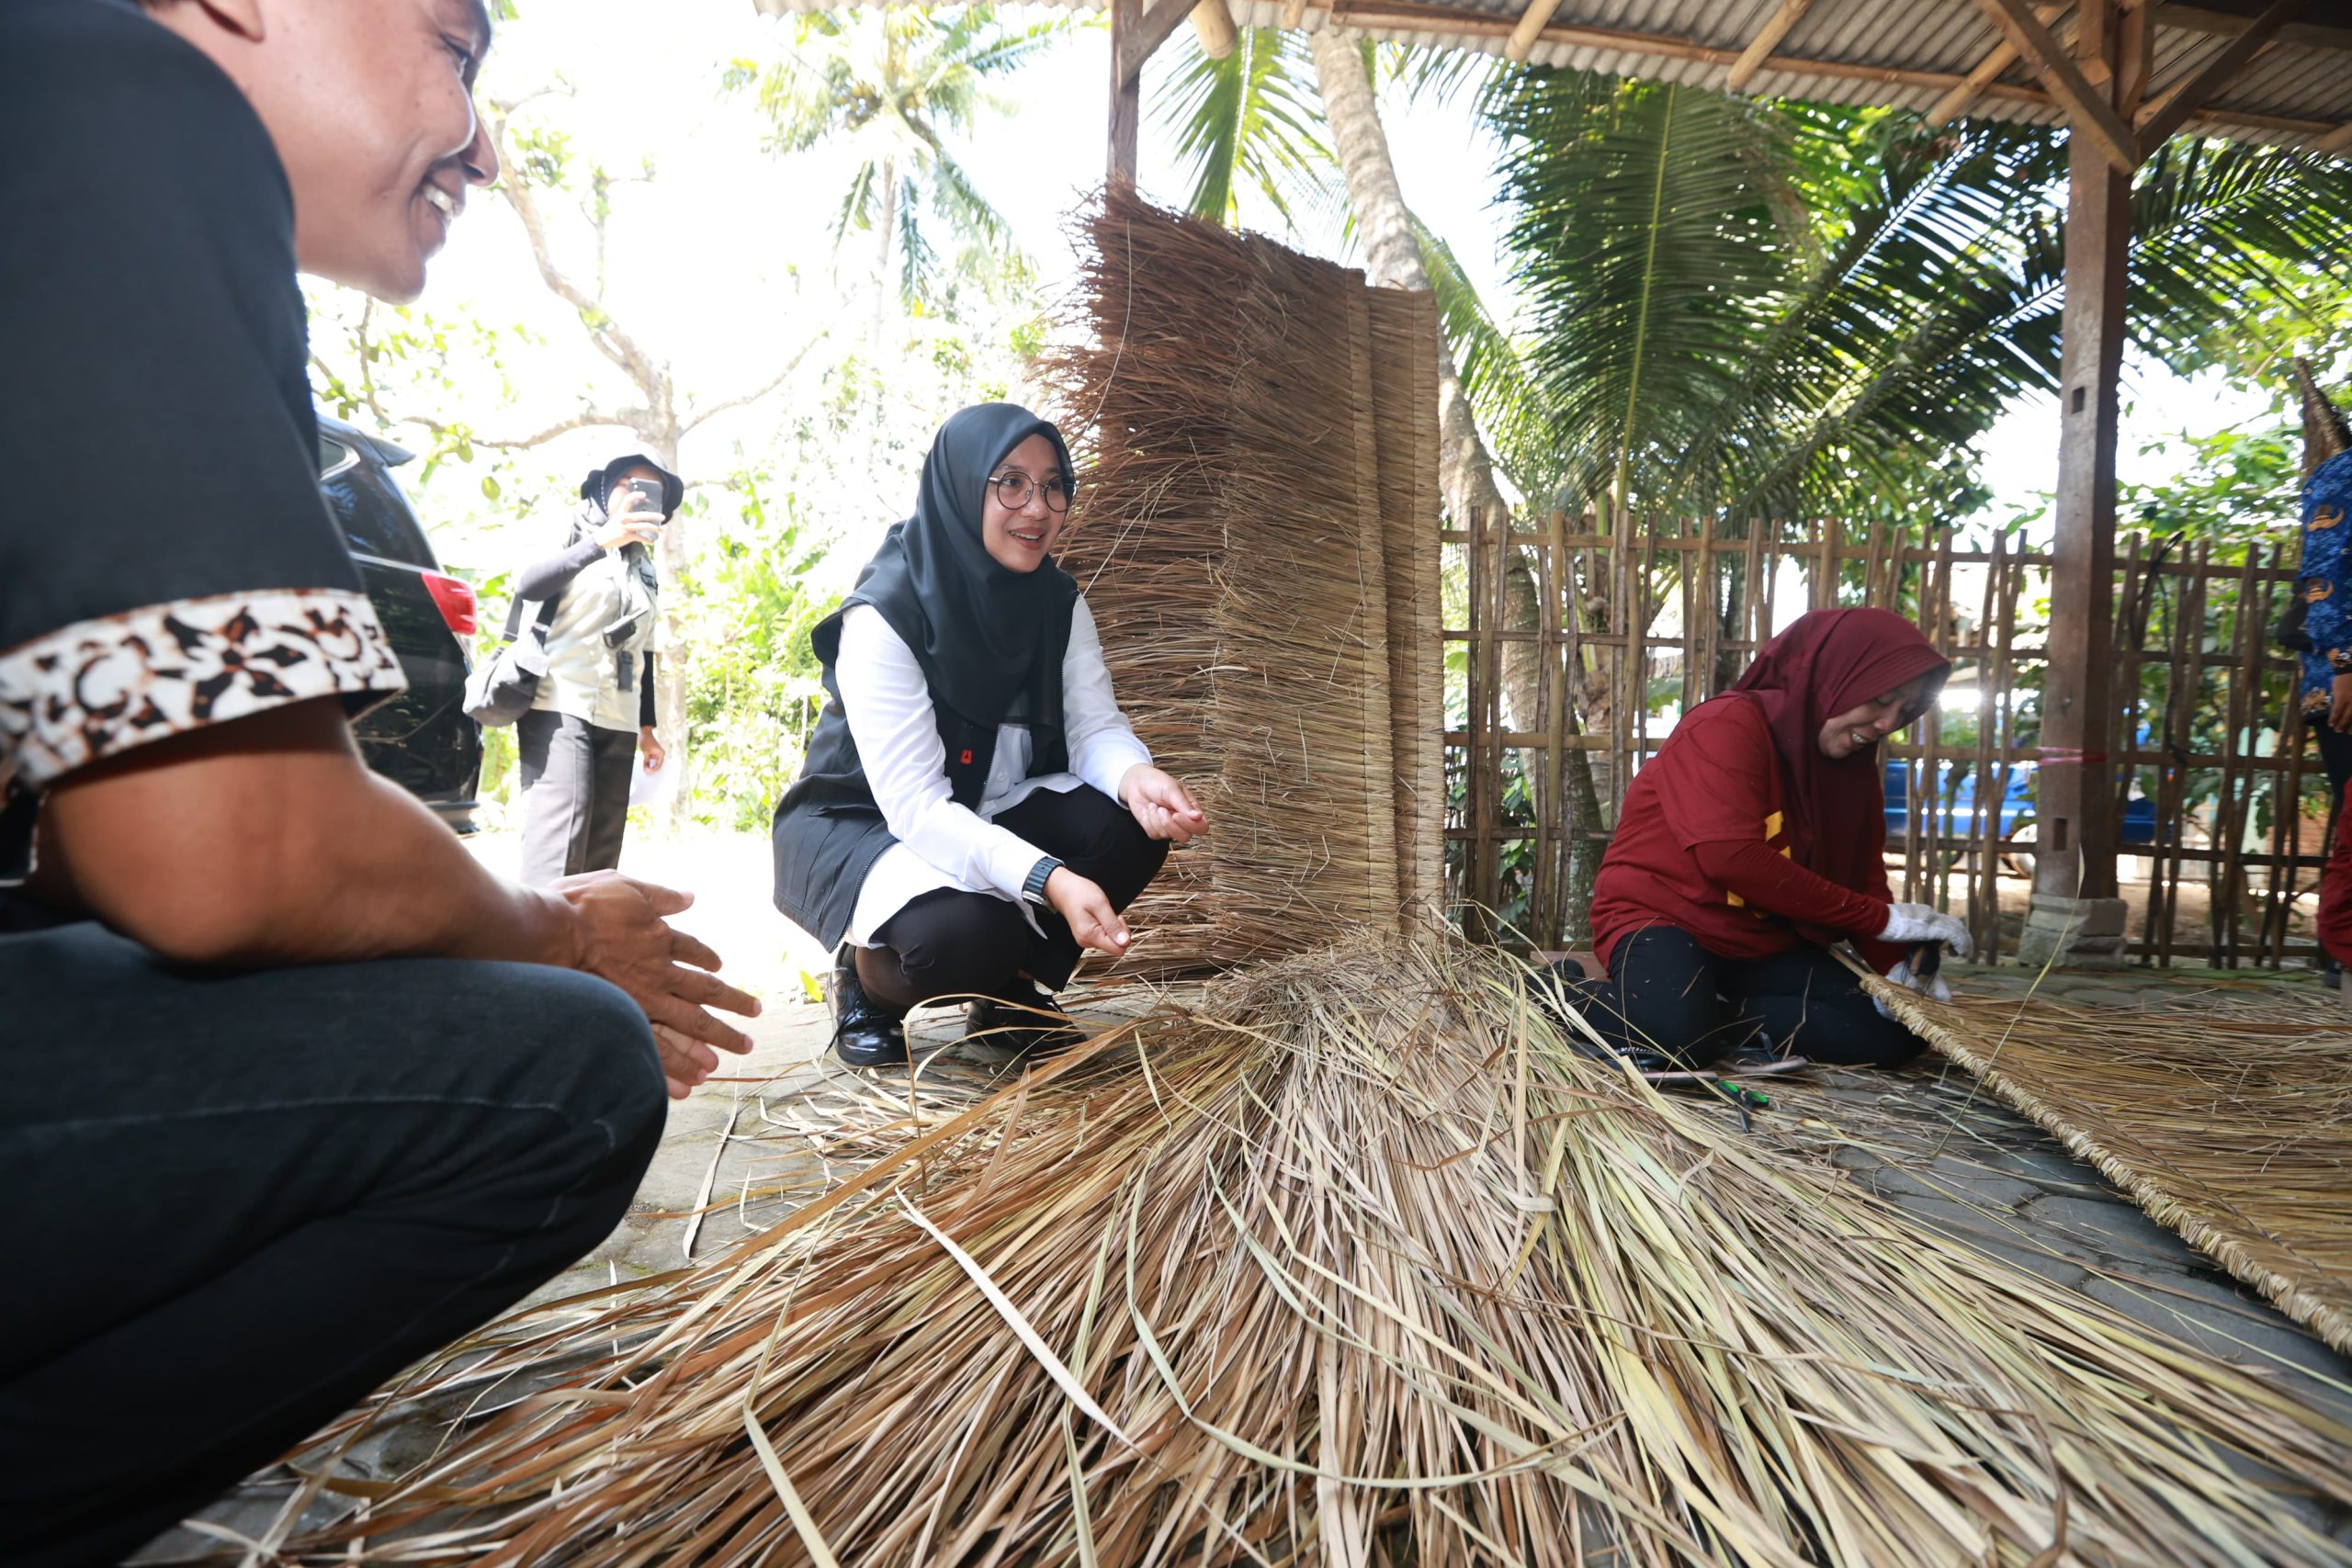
{"x": 1928, "y": 1139}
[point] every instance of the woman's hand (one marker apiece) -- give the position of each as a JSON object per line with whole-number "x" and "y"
{"x": 637, "y": 521}
{"x": 2339, "y": 709}
{"x": 1907, "y": 925}
{"x": 650, "y": 750}
{"x": 1162, "y": 808}
{"x": 1088, "y": 909}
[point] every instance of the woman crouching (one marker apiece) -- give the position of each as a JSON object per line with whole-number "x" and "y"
{"x": 1755, "y": 842}
{"x": 974, "y": 808}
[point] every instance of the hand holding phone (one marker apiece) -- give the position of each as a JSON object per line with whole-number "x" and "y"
{"x": 648, "y": 494}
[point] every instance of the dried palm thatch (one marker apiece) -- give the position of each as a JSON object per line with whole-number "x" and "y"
{"x": 2235, "y": 1132}
{"x": 1356, "y": 1265}
{"x": 2325, "y": 434}
{"x": 1259, "y": 543}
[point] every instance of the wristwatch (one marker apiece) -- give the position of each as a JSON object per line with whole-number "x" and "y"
{"x": 1033, "y": 891}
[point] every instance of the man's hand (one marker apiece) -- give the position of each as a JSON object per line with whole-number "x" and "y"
{"x": 648, "y": 748}
{"x": 1162, "y": 808}
{"x": 624, "y": 938}
{"x": 1088, "y": 909}
{"x": 2339, "y": 709}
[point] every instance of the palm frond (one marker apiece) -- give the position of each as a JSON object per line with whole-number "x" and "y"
{"x": 1249, "y": 119}
{"x": 1648, "y": 250}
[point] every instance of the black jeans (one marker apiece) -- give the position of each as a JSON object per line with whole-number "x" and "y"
{"x": 574, "y": 777}
{"x": 1669, "y": 995}
{"x": 237, "y": 1201}
{"x": 953, "y": 943}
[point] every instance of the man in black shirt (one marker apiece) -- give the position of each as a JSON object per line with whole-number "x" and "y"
{"x": 291, "y": 1091}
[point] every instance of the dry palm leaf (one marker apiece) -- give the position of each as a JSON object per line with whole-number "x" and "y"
{"x": 1356, "y": 1264}
{"x": 2236, "y": 1133}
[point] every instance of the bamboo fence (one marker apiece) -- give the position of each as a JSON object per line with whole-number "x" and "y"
{"x": 1572, "y": 649}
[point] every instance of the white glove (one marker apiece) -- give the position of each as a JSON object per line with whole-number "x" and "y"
{"x": 1933, "y": 988}
{"x": 1907, "y": 925}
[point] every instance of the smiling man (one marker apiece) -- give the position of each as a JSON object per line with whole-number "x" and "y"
{"x": 291, "y": 1091}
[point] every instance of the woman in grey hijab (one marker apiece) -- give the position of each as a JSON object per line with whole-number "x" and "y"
{"x": 595, "y": 707}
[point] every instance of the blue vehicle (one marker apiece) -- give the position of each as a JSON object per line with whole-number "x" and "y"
{"x": 1953, "y": 809}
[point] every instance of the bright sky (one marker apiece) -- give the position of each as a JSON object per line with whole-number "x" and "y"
{"x": 725, "y": 223}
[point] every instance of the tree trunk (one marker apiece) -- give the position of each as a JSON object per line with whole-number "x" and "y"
{"x": 1466, "y": 470}
{"x": 670, "y": 669}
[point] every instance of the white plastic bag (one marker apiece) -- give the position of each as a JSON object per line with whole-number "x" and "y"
{"x": 653, "y": 787}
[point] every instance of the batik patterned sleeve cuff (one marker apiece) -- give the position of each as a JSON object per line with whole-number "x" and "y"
{"x": 97, "y": 688}
{"x": 2339, "y": 660}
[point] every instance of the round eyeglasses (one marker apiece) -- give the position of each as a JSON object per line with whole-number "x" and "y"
{"x": 1012, "y": 492}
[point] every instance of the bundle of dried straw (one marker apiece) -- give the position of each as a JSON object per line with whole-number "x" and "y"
{"x": 1357, "y": 1264}
{"x": 1258, "y": 542}
{"x": 2235, "y": 1132}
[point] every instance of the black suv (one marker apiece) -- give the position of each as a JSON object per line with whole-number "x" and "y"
{"x": 422, "y": 739}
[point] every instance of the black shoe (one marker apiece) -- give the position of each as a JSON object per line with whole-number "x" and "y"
{"x": 865, "y": 1033}
{"x": 1033, "y": 1025}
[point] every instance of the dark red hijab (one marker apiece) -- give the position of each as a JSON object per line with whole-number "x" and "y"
{"x": 1828, "y": 662}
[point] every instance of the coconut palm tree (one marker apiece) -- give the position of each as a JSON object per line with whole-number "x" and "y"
{"x": 1756, "y": 308}
{"x": 893, "y": 86}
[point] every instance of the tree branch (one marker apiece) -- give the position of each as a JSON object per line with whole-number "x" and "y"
{"x": 610, "y": 338}
{"x": 696, "y": 421}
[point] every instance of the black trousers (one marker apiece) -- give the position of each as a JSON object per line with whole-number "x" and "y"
{"x": 953, "y": 943}
{"x": 1666, "y": 994}
{"x": 575, "y": 794}
{"x": 237, "y": 1201}
{"x": 2335, "y": 756}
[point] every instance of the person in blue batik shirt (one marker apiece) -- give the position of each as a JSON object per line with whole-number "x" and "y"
{"x": 2324, "y": 581}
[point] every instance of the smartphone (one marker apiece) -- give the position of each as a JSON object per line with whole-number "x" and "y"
{"x": 651, "y": 491}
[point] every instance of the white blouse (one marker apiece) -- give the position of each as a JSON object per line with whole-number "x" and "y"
{"x": 942, "y": 844}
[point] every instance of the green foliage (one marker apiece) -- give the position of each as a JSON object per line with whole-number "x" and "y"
{"x": 2243, "y": 485}
{"x": 1756, "y": 309}
{"x": 1249, "y": 121}
{"x": 892, "y": 85}
{"x": 754, "y": 690}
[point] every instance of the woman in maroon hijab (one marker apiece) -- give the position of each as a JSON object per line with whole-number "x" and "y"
{"x": 1753, "y": 842}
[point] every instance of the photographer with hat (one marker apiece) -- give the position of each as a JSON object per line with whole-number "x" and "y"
{"x": 596, "y": 707}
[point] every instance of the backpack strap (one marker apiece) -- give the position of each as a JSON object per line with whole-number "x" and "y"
{"x": 547, "y": 607}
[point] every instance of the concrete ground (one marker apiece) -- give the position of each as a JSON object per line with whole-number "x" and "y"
{"x": 1929, "y": 1140}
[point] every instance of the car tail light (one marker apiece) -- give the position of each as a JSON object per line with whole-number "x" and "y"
{"x": 454, "y": 598}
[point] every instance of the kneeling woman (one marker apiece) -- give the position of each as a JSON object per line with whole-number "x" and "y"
{"x": 1753, "y": 842}
{"x": 974, "y": 808}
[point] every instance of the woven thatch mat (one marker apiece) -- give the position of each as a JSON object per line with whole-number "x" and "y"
{"x": 1259, "y": 540}
{"x": 2234, "y": 1130}
{"x": 1357, "y": 1264}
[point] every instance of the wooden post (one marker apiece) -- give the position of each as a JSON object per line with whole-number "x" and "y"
{"x": 1126, "y": 91}
{"x": 1135, "y": 34}
{"x": 2073, "y": 878}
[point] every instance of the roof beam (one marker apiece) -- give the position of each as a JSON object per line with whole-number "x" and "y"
{"x": 1767, "y": 38}
{"x": 2190, "y": 17}
{"x": 2088, "y": 112}
{"x": 2336, "y": 140}
{"x": 2164, "y": 116}
{"x": 1422, "y": 17}
{"x": 1953, "y": 105}
{"x": 1213, "y": 23}
{"x": 1151, "y": 29}
{"x": 1530, "y": 25}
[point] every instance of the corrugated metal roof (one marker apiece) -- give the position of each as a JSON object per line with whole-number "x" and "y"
{"x": 1904, "y": 53}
